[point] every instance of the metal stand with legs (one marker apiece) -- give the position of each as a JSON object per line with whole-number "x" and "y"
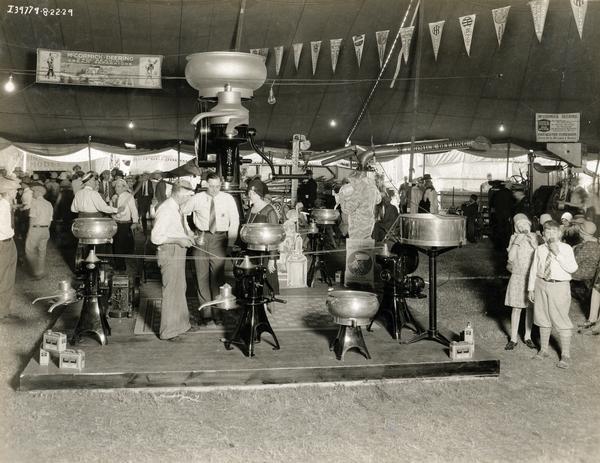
{"x": 316, "y": 241}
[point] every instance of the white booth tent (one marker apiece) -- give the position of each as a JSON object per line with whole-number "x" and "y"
{"x": 32, "y": 157}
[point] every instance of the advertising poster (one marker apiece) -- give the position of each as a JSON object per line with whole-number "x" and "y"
{"x": 98, "y": 69}
{"x": 557, "y": 127}
{"x": 360, "y": 262}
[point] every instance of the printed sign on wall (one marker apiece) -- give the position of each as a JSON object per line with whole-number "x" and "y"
{"x": 98, "y": 69}
{"x": 557, "y": 127}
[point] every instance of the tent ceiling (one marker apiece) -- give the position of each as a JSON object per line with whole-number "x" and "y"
{"x": 460, "y": 96}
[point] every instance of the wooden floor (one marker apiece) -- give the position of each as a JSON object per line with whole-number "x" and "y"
{"x": 201, "y": 360}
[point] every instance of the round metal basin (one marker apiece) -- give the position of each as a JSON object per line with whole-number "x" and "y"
{"x": 262, "y": 236}
{"x": 352, "y": 308}
{"x": 209, "y": 72}
{"x": 325, "y": 216}
{"x": 94, "y": 230}
{"x": 432, "y": 231}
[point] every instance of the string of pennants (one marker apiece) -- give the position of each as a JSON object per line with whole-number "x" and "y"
{"x": 539, "y": 8}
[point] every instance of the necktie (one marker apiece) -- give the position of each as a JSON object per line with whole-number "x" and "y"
{"x": 145, "y": 189}
{"x": 547, "y": 266}
{"x": 212, "y": 219}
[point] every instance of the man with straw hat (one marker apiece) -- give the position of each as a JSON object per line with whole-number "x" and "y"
{"x": 8, "y": 250}
{"x": 40, "y": 218}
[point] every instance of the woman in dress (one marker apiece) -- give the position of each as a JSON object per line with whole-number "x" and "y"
{"x": 521, "y": 248}
{"x": 262, "y": 212}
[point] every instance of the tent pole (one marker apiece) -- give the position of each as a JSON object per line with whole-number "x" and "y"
{"x": 419, "y": 39}
{"x": 90, "y": 150}
{"x": 507, "y": 157}
{"x": 178, "y": 153}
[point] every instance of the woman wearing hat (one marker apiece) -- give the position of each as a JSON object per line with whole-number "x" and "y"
{"x": 263, "y": 212}
{"x": 127, "y": 216}
{"x": 587, "y": 256}
{"x": 521, "y": 249}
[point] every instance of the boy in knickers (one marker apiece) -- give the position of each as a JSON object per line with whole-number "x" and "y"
{"x": 550, "y": 291}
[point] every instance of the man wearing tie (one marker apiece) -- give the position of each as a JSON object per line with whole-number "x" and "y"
{"x": 216, "y": 216}
{"x": 144, "y": 192}
{"x": 105, "y": 188}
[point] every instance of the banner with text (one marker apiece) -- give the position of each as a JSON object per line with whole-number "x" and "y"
{"x": 98, "y": 69}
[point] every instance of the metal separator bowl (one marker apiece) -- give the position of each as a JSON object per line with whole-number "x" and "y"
{"x": 325, "y": 216}
{"x": 352, "y": 308}
{"x": 94, "y": 230}
{"x": 262, "y": 236}
{"x": 432, "y": 231}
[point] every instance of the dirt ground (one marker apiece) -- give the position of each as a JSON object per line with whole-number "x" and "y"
{"x": 532, "y": 412}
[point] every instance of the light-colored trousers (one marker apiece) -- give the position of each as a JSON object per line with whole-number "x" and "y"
{"x": 35, "y": 249}
{"x": 8, "y": 269}
{"x": 175, "y": 317}
{"x": 552, "y": 304}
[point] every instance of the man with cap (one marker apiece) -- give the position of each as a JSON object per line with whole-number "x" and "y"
{"x": 172, "y": 236}
{"x": 40, "y": 218}
{"x": 123, "y": 242}
{"x": 216, "y": 216}
{"x": 307, "y": 191}
{"x": 8, "y": 250}
{"x": 88, "y": 202}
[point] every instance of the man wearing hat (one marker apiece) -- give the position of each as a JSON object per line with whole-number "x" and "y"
{"x": 416, "y": 194}
{"x": 159, "y": 187}
{"x": 40, "y": 218}
{"x": 88, "y": 202}
{"x": 216, "y": 216}
{"x": 52, "y": 187}
{"x": 77, "y": 181}
{"x": 307, "y": 191}
{"x": 172, "y": 236}
{"x": 8, "y": 250}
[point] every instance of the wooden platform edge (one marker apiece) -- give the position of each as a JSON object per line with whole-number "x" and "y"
{"x": 254, "y": 377}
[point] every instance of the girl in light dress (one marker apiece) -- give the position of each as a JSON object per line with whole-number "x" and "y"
{"x": 521, "y": 248}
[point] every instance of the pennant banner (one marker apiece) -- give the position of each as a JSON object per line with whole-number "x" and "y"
{"x": 315, "y": 49}
{"x": 335, "y": 45}
{"x": 359, "y": 43}
{"x": 278, "y": 58}
{"x": 539, "y": 8}
{"x": 406, "y": 34}
{"x": 297, "y": 52}
{"x": 579, "y": 8}
{"x": 500, "y": 16}
{"x": 435, "y": 30}
{"x": 381, "y": 37}
{"x": 467, "y": 24}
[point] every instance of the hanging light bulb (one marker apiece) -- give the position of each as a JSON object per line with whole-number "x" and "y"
{"x": 332, "y": 123}
{"x": 131, "y": 125}
{"x": 9, "y": 86}
{"x": 271, "y": 99}
{"x": 501, "y": 127}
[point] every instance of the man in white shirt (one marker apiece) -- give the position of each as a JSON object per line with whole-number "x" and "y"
{"x": 8, "y": 250}
{"x": 40, "y": 218}
{"x": 88, "y": 202}
{"x": 217, "y": 218}
{"x": 172, "y": 236}
{"x": 123, "y": 242}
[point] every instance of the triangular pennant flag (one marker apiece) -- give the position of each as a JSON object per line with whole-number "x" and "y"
{"x": 467, "y": 24}
{"x": 335, "y": 45}
{"x": 398, "y": 65}
{"x": 500, "y": 16}
{"x": 297, "y": 52}
{"x": 315, "y": 49}
{"x": 435, "y": 30}
{"x": 359, "y": 43}
{"x": 381, "y": 37}
{"x": 539, "y": 8}
{"x": 406, "y": 34}
{"x": 579, "y": 8}
{"x": 278, "y": 58}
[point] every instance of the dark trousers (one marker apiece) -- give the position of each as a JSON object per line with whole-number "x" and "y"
{"x": 122, "y": 244}
{"x": 143, "y": 209}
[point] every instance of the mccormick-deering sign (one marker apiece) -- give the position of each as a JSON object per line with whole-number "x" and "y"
{"x": 557, "y": 127}
{"x": 98, "y": 69}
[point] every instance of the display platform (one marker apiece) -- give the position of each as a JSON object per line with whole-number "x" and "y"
{"x": 200, "y": 359}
